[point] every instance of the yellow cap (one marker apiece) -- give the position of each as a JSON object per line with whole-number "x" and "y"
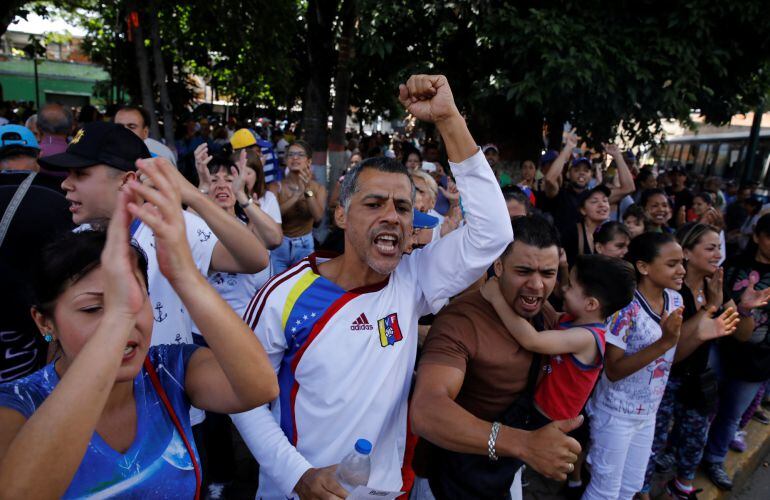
{"x": 242, "y": 138}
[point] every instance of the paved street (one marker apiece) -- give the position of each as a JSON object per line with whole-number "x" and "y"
{"x": 758, "y": 487}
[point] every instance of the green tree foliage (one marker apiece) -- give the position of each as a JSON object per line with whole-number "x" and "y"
{"x": 514, "y": 66}
{"x": 595, "y": 63}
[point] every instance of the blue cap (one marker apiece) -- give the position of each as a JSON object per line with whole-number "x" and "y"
{"x": 549, "y": 156}
{"x": 16, "y": 135}
{"x": 423, "y": 220}
{"x": 363, "y": 446}
{"x": 582, "y": 159}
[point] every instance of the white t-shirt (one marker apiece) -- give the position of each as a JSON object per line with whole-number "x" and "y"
{"x": 173, "y": 325}
{"x": 632, "y": 329}
{"x": 238, "y": 289}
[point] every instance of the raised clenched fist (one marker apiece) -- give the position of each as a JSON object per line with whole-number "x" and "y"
{"x": 428, "y": 98}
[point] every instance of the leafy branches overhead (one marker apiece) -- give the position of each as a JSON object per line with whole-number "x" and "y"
{"x": 513, "y": 65}
{"x": 596, "y": 63}
{"x": 243, "y": 47}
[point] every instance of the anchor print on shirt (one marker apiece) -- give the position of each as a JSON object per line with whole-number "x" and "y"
{"x": 204, "y": 236}
{"x": 161, "y": 316}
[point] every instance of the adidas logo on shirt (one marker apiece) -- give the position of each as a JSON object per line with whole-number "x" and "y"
{"x": 361, "y": 323}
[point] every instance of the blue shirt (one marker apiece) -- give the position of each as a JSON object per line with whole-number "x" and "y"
{"x": 157, "y": 464}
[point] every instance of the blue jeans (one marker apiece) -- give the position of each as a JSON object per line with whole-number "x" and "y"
{"x": 735, "y": 396}
{"x": 291, "y": 251}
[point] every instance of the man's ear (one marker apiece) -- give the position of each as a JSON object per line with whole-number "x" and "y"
{"x": 340, "y": 217}
{"x": 498, "y": 266}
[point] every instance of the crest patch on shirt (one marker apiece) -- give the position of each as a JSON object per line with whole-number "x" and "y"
{"x": 390, "y": 332}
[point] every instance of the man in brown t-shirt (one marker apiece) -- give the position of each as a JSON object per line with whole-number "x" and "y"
{"x": 472, "y": 369}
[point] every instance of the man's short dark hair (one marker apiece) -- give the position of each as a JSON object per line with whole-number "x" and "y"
{"x": 54, "y": 119}
{"x": 518, "y": 194}
{"x": 143, "y": 112}
{"x": 609, "y": 280}
{"x": 379, "y": 163}
{"x": 533, "y": 230}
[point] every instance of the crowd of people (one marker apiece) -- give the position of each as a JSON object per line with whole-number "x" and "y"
{"x": 601, "y": 322}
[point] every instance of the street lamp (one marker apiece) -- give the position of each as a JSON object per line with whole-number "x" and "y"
{"x": 35, "y": 49}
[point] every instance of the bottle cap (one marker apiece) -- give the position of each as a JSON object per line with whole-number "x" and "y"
{"x": 363, "y": 446}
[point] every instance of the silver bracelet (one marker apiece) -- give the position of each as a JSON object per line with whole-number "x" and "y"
{"x": 492, "y": 440}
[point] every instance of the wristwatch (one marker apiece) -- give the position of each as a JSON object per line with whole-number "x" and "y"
{"x": 246, "y": 205}
{"x": 309, "y": 193}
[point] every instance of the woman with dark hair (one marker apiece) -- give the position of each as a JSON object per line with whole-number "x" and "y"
{"x": 412, "y": 159}
{"x": 691, "y": 390}
{"x": 303, "y": 203}
{"x": 109, "y": 399}
{"x": 744, "y": 361}
{"x": 657, "y": 208}
{"x": 595, "y": 210}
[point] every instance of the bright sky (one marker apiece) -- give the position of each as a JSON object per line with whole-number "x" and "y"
{"x": 38, "y": 25}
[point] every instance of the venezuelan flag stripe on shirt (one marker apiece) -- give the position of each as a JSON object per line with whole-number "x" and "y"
{"x": 307, "y": 301}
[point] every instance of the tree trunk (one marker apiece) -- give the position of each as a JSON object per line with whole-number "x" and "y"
{"x": 349, "y": 19}
{"x": 160, "y": 78}
{"x": 320, "y": 50}
{"x": 148, "y": 102}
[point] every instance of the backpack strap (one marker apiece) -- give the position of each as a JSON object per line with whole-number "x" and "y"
{"x": 171, "y": 413}
{"x": 10, "y": 210}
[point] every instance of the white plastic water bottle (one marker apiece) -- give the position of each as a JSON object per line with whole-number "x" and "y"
{"x": 354, "y": 469}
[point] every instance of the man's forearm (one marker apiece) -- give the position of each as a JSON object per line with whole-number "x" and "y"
{"x": 552, "y": 184}
{"x": 626, "y": 181}
{"x": 270, "y": 447}
{"x": 446, "y": 424}
{"x": 457, "y": 138}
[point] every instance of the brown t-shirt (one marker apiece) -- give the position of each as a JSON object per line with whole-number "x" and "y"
{"x": 297, "y": 221}
{"x": 469, "y": 335}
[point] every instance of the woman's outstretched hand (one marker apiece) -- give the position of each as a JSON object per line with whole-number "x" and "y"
{"x": 124, "y": 290}
{"x": 162, "y": 212}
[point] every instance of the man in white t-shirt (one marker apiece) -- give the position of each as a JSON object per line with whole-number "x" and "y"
{"x": 100, "y": 159}
{"x": 137, "y": 121}
{"x": 342, "y": 333}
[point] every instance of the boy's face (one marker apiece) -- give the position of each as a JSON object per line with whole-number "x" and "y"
{"x": 93, "y": 192}
{"x": 576, "y": 303}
